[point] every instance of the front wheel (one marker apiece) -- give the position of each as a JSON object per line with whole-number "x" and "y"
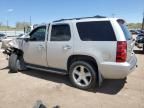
{"x": 82, "y": 75}
{"x": 15, "y": 63}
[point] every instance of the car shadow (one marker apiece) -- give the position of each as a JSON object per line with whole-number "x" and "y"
{"x": 4, "y": 68}
{"x": 111, "y": 87}
{"x": 48, "y": 76}
{"x": 138, "y": 52}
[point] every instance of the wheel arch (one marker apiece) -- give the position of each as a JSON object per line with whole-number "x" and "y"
{"x": 87, "y": 58}
{"x": 18, "y": 52}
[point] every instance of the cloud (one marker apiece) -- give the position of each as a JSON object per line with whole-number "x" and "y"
{"x": 10, "y": 10}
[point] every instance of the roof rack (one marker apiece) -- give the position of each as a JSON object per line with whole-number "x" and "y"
{"x": 97, "y": 16}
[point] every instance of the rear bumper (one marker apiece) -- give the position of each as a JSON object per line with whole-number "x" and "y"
{"x": 113, "y": 70}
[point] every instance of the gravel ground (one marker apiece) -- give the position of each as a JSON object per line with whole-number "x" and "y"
{"x": 23, "y": 89}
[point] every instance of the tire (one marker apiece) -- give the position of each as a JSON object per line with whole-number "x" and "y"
{"x": 16, "y": 63}
{"x": 79, "y": 72}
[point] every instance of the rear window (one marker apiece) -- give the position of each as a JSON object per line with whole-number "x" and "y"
{"x": 125, "y": 29}
{"x": 96, "y": 31}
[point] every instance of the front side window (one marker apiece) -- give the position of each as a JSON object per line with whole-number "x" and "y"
{"x": 38, "y": 34}
{"x": 60, "y": 33}
{"x": 96, "y": 31}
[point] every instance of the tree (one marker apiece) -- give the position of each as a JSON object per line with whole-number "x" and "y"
{"x": 134, "y": 25}
{"x": 22, "y": 25}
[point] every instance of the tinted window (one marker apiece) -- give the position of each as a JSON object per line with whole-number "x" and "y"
{"x": 96, "y": 31}
{"x": 38, "y": 34}
{"x": 125, "y": 30}
{"x": 1, "y": 35}
{"x": 60, "y": 33}
{"x": 141, "y": 35}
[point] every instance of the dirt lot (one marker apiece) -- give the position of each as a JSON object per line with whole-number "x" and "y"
{"x": 23, "y": 89}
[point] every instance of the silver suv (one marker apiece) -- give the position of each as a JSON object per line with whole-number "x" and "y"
{"x": 87, "y": 49}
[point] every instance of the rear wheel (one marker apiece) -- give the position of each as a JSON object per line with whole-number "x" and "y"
{"x": 82, "y": 75}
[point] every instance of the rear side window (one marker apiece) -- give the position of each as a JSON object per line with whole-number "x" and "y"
{"x": 125, "y": 29}
{"x": 96, "y": 31}
{"x": 60, "y": 33}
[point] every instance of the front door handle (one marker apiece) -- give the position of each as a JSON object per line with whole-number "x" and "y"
{"x": 67, "y": 47}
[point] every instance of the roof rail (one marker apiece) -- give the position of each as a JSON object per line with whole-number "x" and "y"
{"x": 97, "y": 16}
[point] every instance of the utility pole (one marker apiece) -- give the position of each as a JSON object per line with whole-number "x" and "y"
{"x": 143, "y": 22}
{"x": 30, "y": 21}
{"x": 7, "y": 23}
{"x": 0, "y": 24}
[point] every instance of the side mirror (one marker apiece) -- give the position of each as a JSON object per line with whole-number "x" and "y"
{"x": 27, "y": 38}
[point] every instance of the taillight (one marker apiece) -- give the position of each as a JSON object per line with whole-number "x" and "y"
{"x": 121, "y": 53}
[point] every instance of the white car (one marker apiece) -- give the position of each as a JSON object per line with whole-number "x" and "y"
{"x": 87, "y": 49}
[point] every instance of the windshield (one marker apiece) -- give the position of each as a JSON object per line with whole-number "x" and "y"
{"x": 125, "y": 29}
{"x": 1, "y": 35}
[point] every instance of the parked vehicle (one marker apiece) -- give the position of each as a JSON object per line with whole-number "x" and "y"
{"x": 87, "y": 49}
{"x": 134, "y": 32}
{"x": 2, "y": 36}
{"x": 140, "y": 41}
{"x": 141, "y": 31}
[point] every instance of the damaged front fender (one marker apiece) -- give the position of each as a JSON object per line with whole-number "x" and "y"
{"x": 11, "y": 45}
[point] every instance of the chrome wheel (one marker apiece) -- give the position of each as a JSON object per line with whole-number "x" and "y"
{"x": 82, "y": 76}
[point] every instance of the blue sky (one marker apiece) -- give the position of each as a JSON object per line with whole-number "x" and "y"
{"x": 49, "y": 10}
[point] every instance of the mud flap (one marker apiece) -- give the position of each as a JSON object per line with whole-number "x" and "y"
{"x": 100, "y": 79}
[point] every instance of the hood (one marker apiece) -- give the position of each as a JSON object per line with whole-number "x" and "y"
{"x": 16, "y": 43}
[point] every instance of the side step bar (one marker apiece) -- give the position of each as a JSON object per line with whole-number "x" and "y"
{"x": 50, "y": 70}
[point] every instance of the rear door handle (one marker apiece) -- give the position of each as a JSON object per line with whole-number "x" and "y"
{"x": 67, "y": 47}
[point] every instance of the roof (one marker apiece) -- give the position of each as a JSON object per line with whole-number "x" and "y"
{"x": 98, "y": 16}
{"x": 94, "y": 18}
